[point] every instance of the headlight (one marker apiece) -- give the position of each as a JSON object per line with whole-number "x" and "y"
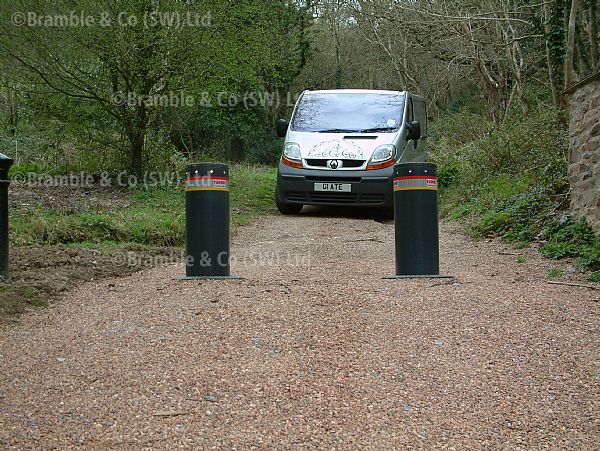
{"x": 383, "y": 153}
{"x": 292, "y": 151}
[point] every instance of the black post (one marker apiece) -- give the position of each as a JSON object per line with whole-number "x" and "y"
{"x": 207, "y": 221}
{"x": 5, "y": 164}
{"x": 416, "y": 220}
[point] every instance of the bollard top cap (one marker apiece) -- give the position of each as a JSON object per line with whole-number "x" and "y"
{"x": 5, "y": 162}
{"x": 207, "y": 169}
{"x": 415, "y": 169}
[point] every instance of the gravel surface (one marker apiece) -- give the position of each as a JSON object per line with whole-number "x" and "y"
{"x": 312, "y": 350}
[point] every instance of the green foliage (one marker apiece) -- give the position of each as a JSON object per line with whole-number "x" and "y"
{"x": 458, "y": 128}
{"x": 501, "y": 190}
{"x": 267, "y": 153}
{"x": 469, "y": 150}
{"x": 511, "y": 182}
{"x": 449, "y": 173}
{"x": 135, "y": 225}
{"x": 516, "y": 209}
{"x": 492, "y": 223}
{"x": 555, "y": 273}
{"x": 556, "y": 39}
{"x": 252, "y": 192}
{"x": 75, "y": 83}
{"x": 535, "y": 145}
{"x": 459, "y": 211}
{"x": 573, "y": 239}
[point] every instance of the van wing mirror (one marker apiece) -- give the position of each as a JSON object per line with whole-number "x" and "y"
{"x": 282, "y": 126}
{"x": 414, "y": 131}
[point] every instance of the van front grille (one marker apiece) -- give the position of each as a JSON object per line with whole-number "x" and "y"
{"x": 336, "y": 198}
{"x": 372, "y": 198}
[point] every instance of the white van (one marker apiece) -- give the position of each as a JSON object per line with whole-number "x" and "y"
{"x": 341, "y": 145}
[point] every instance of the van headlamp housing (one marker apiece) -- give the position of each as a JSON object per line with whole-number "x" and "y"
{"x": 383, "y": 153}
{"x": 291, "y": 151}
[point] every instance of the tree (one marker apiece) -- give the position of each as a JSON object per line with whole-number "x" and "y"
{"x": 434, "y": 45}
{"x": 138, "y": 57}
{"x": 571, "y": 35}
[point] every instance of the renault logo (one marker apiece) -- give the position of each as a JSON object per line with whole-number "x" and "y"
{"x": 334, "y": 164}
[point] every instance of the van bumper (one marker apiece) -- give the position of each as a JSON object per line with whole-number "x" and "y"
{"x": 368, "y": 188}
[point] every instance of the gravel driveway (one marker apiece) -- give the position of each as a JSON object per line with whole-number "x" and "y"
{"x": 312, "y": 350}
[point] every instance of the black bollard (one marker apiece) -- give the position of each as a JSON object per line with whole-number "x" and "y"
{"x": 207, "y": 221}
{"x": 5, "y": 164}
{"x": 416, "y": 221}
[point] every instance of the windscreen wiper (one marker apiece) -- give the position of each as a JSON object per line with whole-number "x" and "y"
{"x": 377, "y": 129}
{"x": 338, "y": 130}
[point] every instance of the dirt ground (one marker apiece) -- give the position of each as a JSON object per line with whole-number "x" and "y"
{"x": 41, "y": 273}
{"x": 24, "y": 195}
{"x": 311, "y": 350}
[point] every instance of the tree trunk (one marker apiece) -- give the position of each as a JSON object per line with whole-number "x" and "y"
{"x": 549, "y": 62}
{"x": 11, "y": 104}
{"x": 570, "y": 58}
{"x": 593, "y": 36}
{"x": 583, "y": 66}
{"x": 137, "y": 139}
{"x": 237, "y": 149}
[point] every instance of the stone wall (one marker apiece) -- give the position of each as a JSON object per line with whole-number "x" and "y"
{"x": 584, "y": 161}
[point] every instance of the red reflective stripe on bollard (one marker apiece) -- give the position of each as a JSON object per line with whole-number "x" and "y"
{"x": 415, "y": 182}
{"x": 207, "y": 183}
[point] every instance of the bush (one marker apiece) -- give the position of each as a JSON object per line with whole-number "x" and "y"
{"x": 267, "y": 153}
{"x": 518, "y": 211}
{"x": 449, "y": 174}
{"x": 492, "y": 223}
{"x": 537, "y": 145}
{"x": 510, "y": 181}
{"x": 573, "y": 239}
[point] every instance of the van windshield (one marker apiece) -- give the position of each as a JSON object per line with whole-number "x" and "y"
{"x": 348, "y": 112}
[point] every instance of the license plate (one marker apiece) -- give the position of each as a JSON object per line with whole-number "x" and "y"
{"x": 338, "y": 187}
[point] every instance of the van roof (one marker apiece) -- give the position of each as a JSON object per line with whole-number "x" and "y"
{"x": 355, "y": 91}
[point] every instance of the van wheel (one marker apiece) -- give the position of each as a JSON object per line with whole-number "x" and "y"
{"x": 288, "y": 209}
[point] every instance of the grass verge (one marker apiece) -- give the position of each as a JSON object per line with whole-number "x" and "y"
{"x": 152, "y": 217}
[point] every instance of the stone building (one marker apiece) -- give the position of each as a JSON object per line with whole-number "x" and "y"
{"x": 584, "y": 160}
